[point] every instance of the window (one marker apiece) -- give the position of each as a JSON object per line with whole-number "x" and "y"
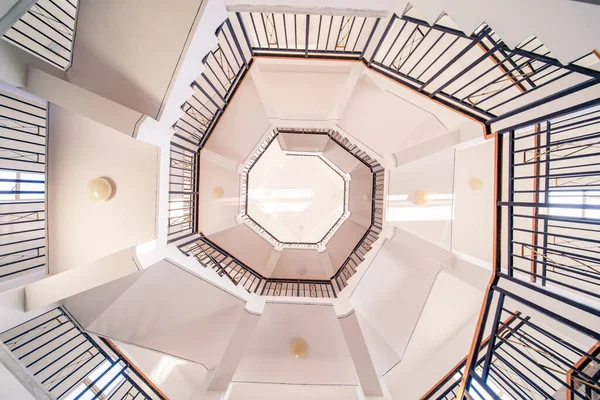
{"x": 19, "y": 182}
{"x": 577, "y": 199}
{"x": 88, "y": 394}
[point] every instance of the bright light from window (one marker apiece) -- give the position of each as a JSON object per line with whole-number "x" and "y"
{"x": 272, "y": 208}
{"x": 108, "y": 376}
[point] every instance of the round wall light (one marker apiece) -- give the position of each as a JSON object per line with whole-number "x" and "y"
{"x": 297, "y": 348}
{"x": 475, "y": 183}
{"x": 218, "y": 192}
{"x": 99, "y": 189}
{"x": 418, "y": 198}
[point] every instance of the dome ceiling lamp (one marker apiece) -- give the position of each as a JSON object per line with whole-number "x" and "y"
{"x": 297, "y": 348}
{"x": 100, "y": 189}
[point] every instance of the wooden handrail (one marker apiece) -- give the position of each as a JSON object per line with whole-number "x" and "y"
{"x": 134, "y": 367}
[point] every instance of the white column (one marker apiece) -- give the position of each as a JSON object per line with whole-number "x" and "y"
{"x": 355, "y": 340}
{"x": 238, "y": 342}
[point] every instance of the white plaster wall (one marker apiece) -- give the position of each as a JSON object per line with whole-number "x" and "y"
{"x": 327, "y": 361}
{"x": 341, "y": 158}
{"x": 242, "y": 125}
{"x": 80, "y": 230}
{"x": 133, "y": 62}
{"x": 170, "y": 310}
{"x": 433, "y": 220}
{"x": 12, "y": 70}
{"x": 254, "y": 391}
{"x": 246, "y": 245}
{"x": 175, "y": 377}
{"x": 217, "y": 214}
{"x": 301, "y": 90}
{"x": 360, "y": 195}
{"x": 11, "y": 387}
{"x": 440, "y": 339}
{"x": 344, "y": 240}
{"x": 303, "y": 264}
{"x": 402, "y": 284}
{"x": 472, "y": 232}
{"x": 385, "y": 121}
{"x": 57, "y": 287}
{"x": 294, "y": 142}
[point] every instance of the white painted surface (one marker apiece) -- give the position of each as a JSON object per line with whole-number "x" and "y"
{"x": 68, "y": 283}
{"x": 369, "y": 381}
{"x": 80, "y": 230}
{"x": 169, "y": 309}
{"x": 344, "y": 240}
{"x": 443, "y": 333}
{"x": 303, "y": 89}
{"x": 387, "y": 122}
{"x": 402, "y": 283}
{"x": 12, "y": 70}
{"x": 303, "y": 264}
{"x": 327, "y": 361}
{"x": 238, "y": 343}
{"x": 81, "y": 101}
{"x": 432, "y": 220}
{"x": 190, "y": 67}
{"x": 265, "y": 391}
{"x": 246, "y": 245}
{"x": 217, "y": 213}
{"x": 177, "y": 378}
{"x": 11, "y": 387}
{"x": 242, "y": 126}
{"x": 361, "y": 194}
{"x": 133, "y": 62}
{"x": 474, "y": 209}
{"x": 295, "y": 198}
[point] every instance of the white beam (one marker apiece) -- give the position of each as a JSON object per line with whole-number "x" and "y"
{"x": 344, "y": 96}
{"x": 467, "y": 269}
{"x": 238, "y": 342}
{"x": 365, "y": 370}
{"x": 14, "y": 14}
{"x": 79, "y": 279}
{"x": 83, "y": 102}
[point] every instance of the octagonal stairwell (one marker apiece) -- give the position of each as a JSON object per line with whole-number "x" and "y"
{"x": 410, "y": 100}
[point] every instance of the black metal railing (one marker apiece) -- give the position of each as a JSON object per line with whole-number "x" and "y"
{"x": 226, "y": 65}
{"x": 348, "y": 268}
{"x": 540, "y": 360}
{"x": 545, "y": 261}
{"x": 183, "y": 190}
{"x": 22, "y": 186}
{"x": 447, "y": 387}
{"x": 477, "y": 74}
{"x": 70, "y": 363}
{"x": 211, "y": 255}
{"x": 307, "y": 35}
{"x": 47, "y": 30}
{"x": 244, "y": 191}
{"x": 552, "y": 201}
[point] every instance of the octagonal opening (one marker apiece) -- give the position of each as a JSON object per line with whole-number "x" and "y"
{"x": 297, "y": 197}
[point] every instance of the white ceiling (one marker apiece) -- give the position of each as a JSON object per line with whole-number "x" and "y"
{"x": 327, "y": 360}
